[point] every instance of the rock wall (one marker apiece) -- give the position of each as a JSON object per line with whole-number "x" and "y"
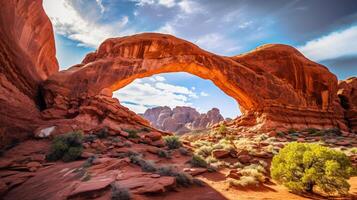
{"x": 27, "y": 57}
{"x": 347, "y": 93}
{"x": 181, "y": 119}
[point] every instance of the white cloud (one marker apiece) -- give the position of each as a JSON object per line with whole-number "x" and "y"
{"x": 166, "y": 3}
{"x": 168, "y": 29}
{"x": 68, "y": 21}
{"x": 145, "y": 93}
{"x": 218, "y": 43}
{"x": 100, "y": 4}
{"x": 334, "y": 45}
{"x": 189, "y": 6}
{"x": 204, "y": 94}
{"x": 160, "y": 78}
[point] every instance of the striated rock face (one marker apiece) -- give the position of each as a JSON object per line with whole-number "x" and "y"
{"x": 181, "y": 119}
{"x": 27, "y": 57}
{"x": 347, "y": 93}
{"x": 275, "y": 85}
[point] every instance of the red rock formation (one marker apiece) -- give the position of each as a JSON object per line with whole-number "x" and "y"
{"x": 27, "y": 57}
{"x": 275, "y": 85}
{"x": 347, "y": 93}
{"x": 181, "y": 119}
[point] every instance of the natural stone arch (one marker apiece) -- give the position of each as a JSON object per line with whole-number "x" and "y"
{"x": 272, "y": 78}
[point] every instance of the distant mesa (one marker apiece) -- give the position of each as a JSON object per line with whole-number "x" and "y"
{"x": 181, "y": 119}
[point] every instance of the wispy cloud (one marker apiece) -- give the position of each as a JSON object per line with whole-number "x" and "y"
{"x": 68, "y": 21}
{"x": 154, "y": 91}
{"x": 334, "y": 45}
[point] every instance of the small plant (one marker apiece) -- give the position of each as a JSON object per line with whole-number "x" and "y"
{"x": 198, "y": 161}
{"x": 204, "y": 151}
{"x": 163, "y": 154}
{"x": 119, "y": 193}
{"x": 243, "y": 181}
{"x": 132, "y": 133}
{"x": 222, "y": 129}
{"x": 67, "y": 147}
{"x": 280, "y": 134}
{"x": 301, "y": 167}
{"x": 181, "y": 178}
{"x": 146, "y": 165}
{"x": 102, "y": 133}
{"x": 173, "y": 142}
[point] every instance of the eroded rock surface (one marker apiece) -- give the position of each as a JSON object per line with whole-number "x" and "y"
{"x": 275, "y": 85}
{"x": 181, "y": 119}
{"x": 27, "y": 57}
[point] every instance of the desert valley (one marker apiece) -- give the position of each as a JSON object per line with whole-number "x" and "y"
{"x": 64, "y": 135}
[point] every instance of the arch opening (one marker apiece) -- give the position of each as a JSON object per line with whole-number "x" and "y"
{"x": 178, "y": 102}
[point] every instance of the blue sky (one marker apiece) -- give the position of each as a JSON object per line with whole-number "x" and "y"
{"x": 325, "y": 31}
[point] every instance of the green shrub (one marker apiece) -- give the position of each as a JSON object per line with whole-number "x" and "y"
{"x": 301, "y": 167}
{"x": 102, "y": 133}
{"x": 132, "y": 133}
{"x": 222, "y": 129}
{"x": 146, "y": 165}
{"x": 173, "y": 142}
{"x": 243, "y": 181}
{"x": 181, "y": 178}
{"x": 198, "y": 161}
{"x": 119, "y": 193}
{"x": 67, "y": 147}
{"x": 163, "y": 154}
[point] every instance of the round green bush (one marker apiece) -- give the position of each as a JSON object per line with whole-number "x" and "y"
{"x": 301, "y": 167}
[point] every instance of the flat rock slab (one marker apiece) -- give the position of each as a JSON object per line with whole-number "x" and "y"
{"x": 141, "y": 183}
{"x": 92, "y": 185}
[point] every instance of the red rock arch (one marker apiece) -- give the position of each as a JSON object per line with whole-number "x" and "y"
{"x": 272, "y": 78}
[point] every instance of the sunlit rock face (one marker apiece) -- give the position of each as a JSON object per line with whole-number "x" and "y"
{"x": 181, "y": 119}
{"x": 275, "y": 85}
{"x": 27, "y": 57}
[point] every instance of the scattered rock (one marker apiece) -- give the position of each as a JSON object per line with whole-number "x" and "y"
{"x": 220, "y": 153}
{"x": 44, "y": 132}
{"x": 195, "y": 171}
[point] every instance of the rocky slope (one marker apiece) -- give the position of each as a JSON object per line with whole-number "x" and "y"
{"x": 181, "y": 119}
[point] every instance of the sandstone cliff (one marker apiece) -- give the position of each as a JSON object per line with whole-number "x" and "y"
{"x": 181, "y": 119}
{"x": 27, "y": 57}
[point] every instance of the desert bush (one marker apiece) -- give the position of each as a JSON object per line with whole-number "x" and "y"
{"x": 132, "y": 133}
{"x": 163, "y": 153}
{"x": 301, "y": 167}
{"x": 67, "y": 147}
{"x": 102, "y": 133}
{"x": 173, "y": 142}
{"x": 146, "y": 165}
{"x": 119, "y": 193}
{"x": 252, "y": 172}
{"x": 198, "y": 161}
{"x": 222, "y": 129}
{"x": 243, "y": 181}
{"x": 257, "y": 167}
{"x": 204, "y": 151}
